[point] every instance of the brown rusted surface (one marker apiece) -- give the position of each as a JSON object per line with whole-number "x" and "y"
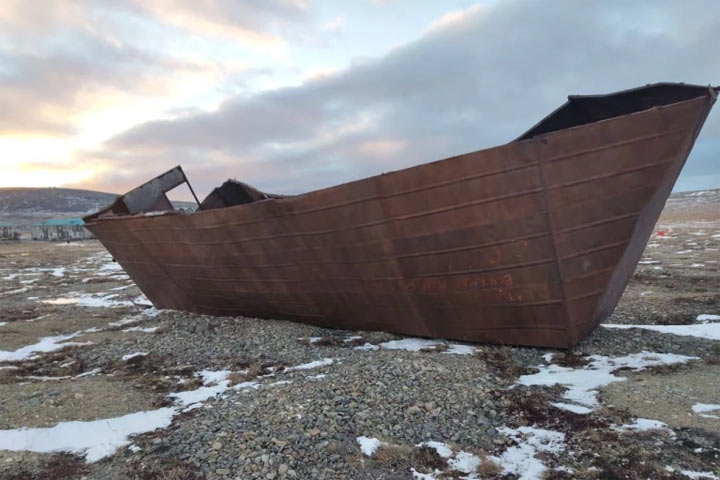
{"x": 529, "y": 243}
{"x": 148, "y": 197}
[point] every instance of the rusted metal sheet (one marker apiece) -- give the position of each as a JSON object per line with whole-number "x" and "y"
{"x": 148, "y": 197}
{"x": 529, "y": 243}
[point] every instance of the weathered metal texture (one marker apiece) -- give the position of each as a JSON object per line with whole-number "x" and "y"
{"x": 148, "y": 197}
{"x": 529, "y": 243}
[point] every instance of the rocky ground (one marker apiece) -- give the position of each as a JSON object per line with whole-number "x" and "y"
{"x": 96, "y": 384}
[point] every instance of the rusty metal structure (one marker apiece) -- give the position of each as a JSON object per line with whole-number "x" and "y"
{"x": 528, "y": 243}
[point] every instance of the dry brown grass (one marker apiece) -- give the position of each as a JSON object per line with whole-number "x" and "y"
{"x": 499, "y": 360}
{"x": 331, "y": 341}
{"x": 163, "y": 328}
{"x": 533, "y": 406}
{"x": 356, "y": 342}
{"x": 713, "y": 358}
{"x": 253, "y": 371}
{"x": 402, "y": 458}
{"x": 440, "y": 347}
{"x": 394, "y": 456}
{"x": 488, "y": 468}
{"x": 428, "y": 458}
{"x": 327, "y": 342}
{"x": 49, "y": 365}
{"x": 162, "y": 470}
{"x": 570, "y": 360}
{"x": 189, "y": 384}
{"x": 61, "y": 466}
{"x": 16, "y": 315}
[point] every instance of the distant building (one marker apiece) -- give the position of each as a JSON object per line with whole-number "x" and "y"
{"x": 63, "y": 229}
{"x": 8, "y": 231}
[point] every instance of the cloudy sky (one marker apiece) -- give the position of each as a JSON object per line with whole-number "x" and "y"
{"x": 292, "y": 95}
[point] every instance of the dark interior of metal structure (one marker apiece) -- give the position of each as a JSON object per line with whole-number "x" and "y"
{"x": 232, "y": 193}
{"x": 584, "y": 109}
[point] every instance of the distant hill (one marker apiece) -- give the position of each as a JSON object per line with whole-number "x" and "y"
{"x": 693, "y": 206}
{"x": 24, "y": 205}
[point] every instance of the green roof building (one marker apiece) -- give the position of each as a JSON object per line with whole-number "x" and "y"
{"x": 61, "y": 229}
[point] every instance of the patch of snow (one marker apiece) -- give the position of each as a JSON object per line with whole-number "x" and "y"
{"x": 464, "y": 462}
{"x": 682, "y": 252}
{"x": 58, "y": 272}
{"x": 111, "y": 266}
{"x": 44, "y": 379}
{"x": 318, "y": 376}
{"x": 213, "y": 376}
{"x": 279, "y": 382}
{"x": 421, "y": 476}
{"x": 521, "y": 460}
{"x": 45, "y": 344}
{"x": 142, "y": 300}
{"x": 129, "y": 356}
{"x": 95, "y": 439}
{"x": 643, "y": 424}
{"x": 441, "y": 448}
{"x": 90, "y": 301}
{"x": 703, "y": 408}
{"x": 191, "y": 397}
{"x": 99, "y": 438}
{"x": 368, "y": 445}
{"x": 582, "y": 383}
{"x": 706, "y": 330}
{"x": 148, "y": 313}
{"x": 14, "y": 292}
{"x": 697, "y": 265}
{"x": 417, "y": 344}
{"x": 352, "y": 338}
{"x": 457, "y": 349}
{"x": 310, "y": 365}
{"x": 367, "y": 346}
{"x": 699, "y": 475}
{"x": 311, "y": 340}
{"x": 245, "y": 385}
{"x": 461, "y": 461}
{"x": 572, "y": 408}
{"x": 706, "y": 317}
{"x": 3, "y": 323}
{"x": 141, "y": 329}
